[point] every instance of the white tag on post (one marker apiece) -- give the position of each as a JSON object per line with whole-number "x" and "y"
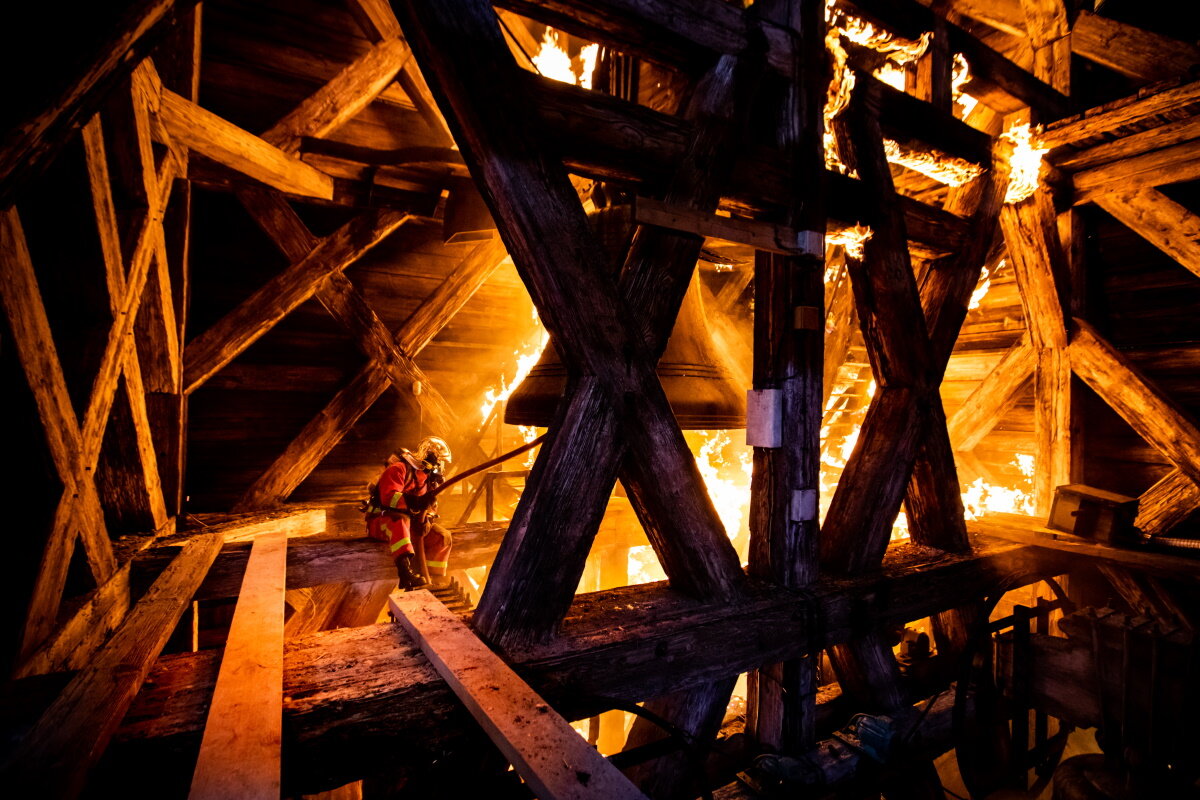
{"x": 763, "y": 413}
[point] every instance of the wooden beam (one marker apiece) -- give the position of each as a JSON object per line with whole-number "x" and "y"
{"x": 1173, "y": 164}
{"x": 1133, "y": 144}
{"x": 1041, "y": 268}
{"x": 295, "y": 522}
{"x": 990, "y": 70}
{"x": 1159, "y": 220}
{"x": 1021, "y": 529}
{"x": 326, "y": 429}
{"x": 130, "y": 483}
{"x": 221, "y": 140}
{"x": 994, "y": 396}
{"x": 31, "y": 145}
{"x": 71, "y": 735}
{"x": 545, "y": 750}
{"x": 1167, "y": 503}
{"x": 74, "y": 644}
{"x": 1155, "y": 417}
{"x": 319, "y": 559}
{"x": 787, "y": 360}
{"x": 1128, "y": 112}
{"x": 79, "y": 511}
{"x": 256, "y": 315}
{"x": 856, "y": 530}
{"x": 540, "y": 218}
{"x": 666, "y": 642}
{"x": 338, "y": 101}
{"x": 378, "y": 22}
{"x": 1049, "y": 30}
{"x": 240, "y": 754}
{"x": 1133, "y": 52}
{"x": 345, "y": 304}
{"x": 698, "y": 712}
{"x": 759, "y": 235}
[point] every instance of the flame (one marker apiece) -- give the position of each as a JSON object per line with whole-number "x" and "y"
{"x": 853, "y": 239}
{"x": 837, "y": 98}
{"x": 892, "y": 74}
{"x": 961, "y": 76}
{"x": 981, "y": 289}
{"x": 528, "y": 434}
{"x": 1025, "y": 161}
{"x": 526, "y": 357}
{"x": 947, "y": 169}
{"x": 728, "y": 481}
{"x": 553, "y": 61}
{"x": 587, "y": 58}
{"x": 981, "y": 497}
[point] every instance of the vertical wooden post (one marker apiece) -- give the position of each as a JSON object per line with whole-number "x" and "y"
{"x": 178, "y": 62}
{"x": 789, "y": 322}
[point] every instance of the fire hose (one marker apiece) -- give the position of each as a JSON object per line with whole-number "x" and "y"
{"x": 500, "y": 459}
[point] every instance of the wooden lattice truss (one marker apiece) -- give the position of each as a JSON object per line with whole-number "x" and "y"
{"x": 520, "y": 135}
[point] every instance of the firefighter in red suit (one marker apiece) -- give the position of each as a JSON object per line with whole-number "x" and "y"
{"x": 397, "y": 514}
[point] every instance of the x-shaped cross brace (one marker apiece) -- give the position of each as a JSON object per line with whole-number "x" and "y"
{"x": 615, "y": 415}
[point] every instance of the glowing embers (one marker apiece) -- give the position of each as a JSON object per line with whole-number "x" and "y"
{"x": 1025, "y": 162}
{"x": 942, "y": 168}
{"x": 982, "y": 497}
{"x": 553, "y": 61}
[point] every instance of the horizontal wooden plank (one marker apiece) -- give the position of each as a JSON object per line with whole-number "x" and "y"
{"x": 1029, "y": 530}
{"x": 240, "y": 754}
{"x": 370, "y": 687}
{"x": 545, "y": 750}
{"x": 1119, "y": 115}
{"x": 294, "y": 521}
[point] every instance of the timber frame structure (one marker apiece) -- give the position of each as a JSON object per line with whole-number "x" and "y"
{"x": 181, "y": 279}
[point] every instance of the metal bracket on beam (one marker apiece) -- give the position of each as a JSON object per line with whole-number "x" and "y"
{"x": 764, "y": 414}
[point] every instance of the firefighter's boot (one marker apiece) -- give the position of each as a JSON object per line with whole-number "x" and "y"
{"x": 409, "y": 578}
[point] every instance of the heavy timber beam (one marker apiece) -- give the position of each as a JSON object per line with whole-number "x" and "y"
{"x": 995, "y": 394}
{"x": 1159, "y": 220}
{"x": 540, "y": 218}
{"x": 1167, "y": 503}
{"x": 1147, "y": 409}
{"x": 788, "y": 359}
{"x": 1129, "y": 111}
{"x": 360, "y": 697}
{"x": 345, "y": 304}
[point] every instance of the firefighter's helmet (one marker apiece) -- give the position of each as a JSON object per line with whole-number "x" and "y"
{"x": 434, "y": 451}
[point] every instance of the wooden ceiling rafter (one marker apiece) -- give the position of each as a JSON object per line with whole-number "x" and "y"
{"x": 335, "y": 420}
{"x": 33, "y": 144}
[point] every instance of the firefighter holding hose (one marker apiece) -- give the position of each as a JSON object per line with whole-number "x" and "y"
{"x": 401, "y": 511}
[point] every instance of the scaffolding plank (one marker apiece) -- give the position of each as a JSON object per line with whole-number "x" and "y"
{"x": 240, "y": 751}
{"x": 545, "y": 750}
